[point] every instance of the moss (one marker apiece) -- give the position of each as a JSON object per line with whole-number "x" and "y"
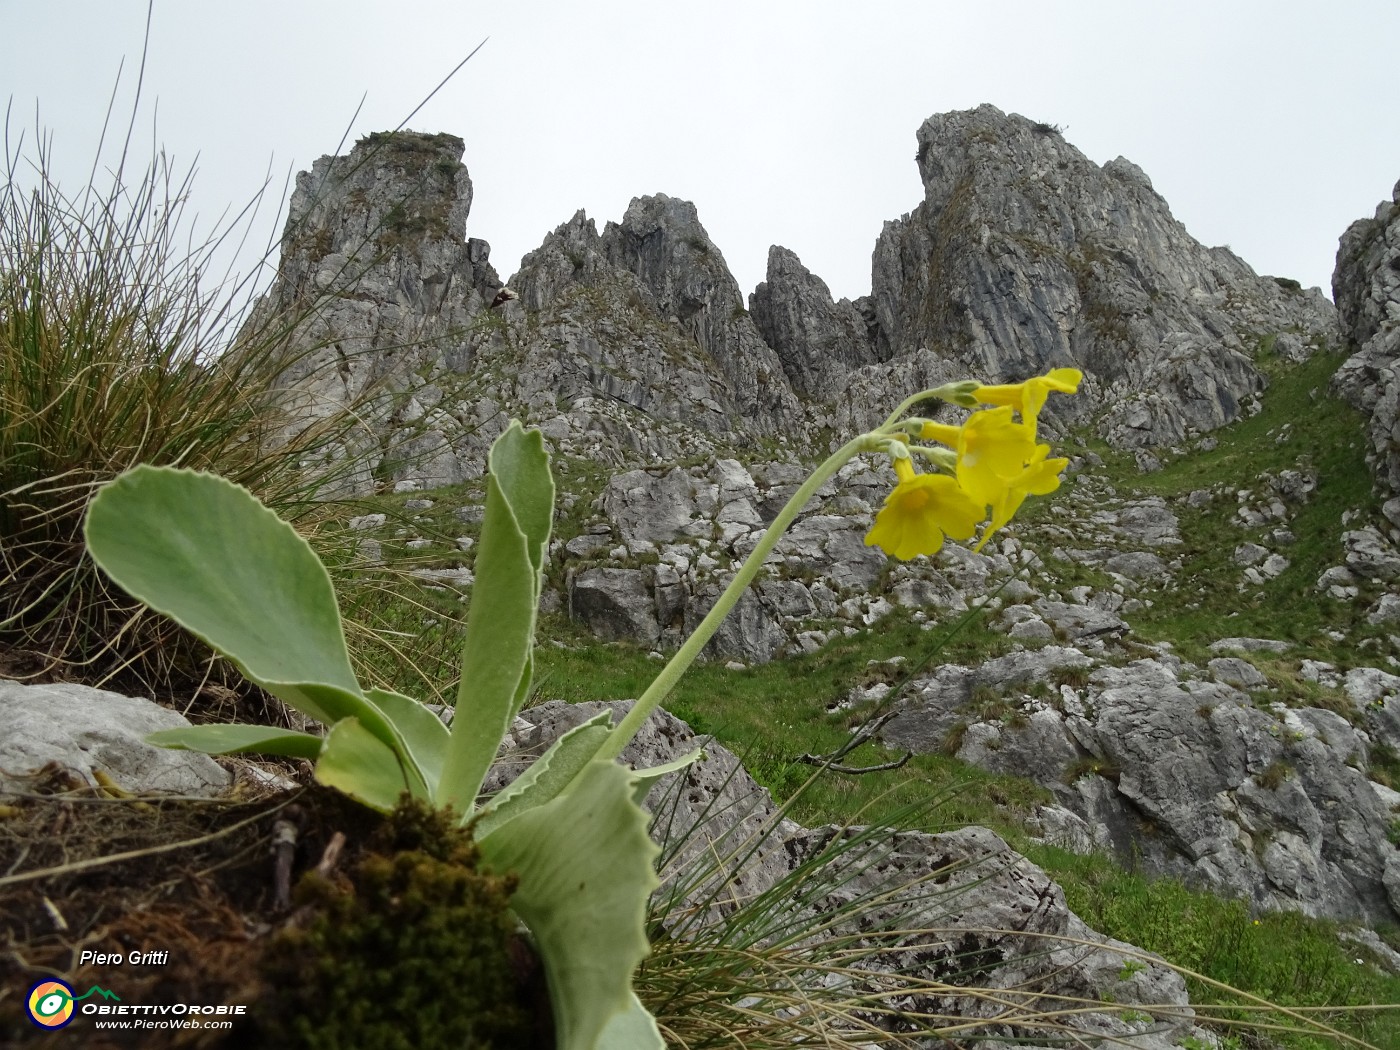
{"x": 413, "y": 948}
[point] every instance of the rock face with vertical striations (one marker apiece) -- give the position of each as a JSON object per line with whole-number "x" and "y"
{"x": 377, "y": 241}
{"x": 379, "y": 282}
{"x": 634, "y": 345}
{"x": 1026, "y": 255}
{"x": 818, "y": 341}
{"x": 1366, "y": 286}
{"x": 625, "y": 347}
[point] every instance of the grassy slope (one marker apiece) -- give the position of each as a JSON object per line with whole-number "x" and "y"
{"x": 1301, "y": 426}
{"x": 770, "y": 715}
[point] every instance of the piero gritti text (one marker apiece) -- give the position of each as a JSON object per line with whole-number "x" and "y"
{"x": 135, "y": 958}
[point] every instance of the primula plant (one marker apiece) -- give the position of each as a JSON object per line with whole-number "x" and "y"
{"x": 571, "y": 827}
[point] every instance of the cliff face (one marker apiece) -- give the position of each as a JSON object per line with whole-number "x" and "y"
{"x": 1366, "y": 287}
{"x": 377, "y": 241}
{"x": 634, "y": 344}
{"x": 628, "y": 346}
{"x": 1025, "y": 255}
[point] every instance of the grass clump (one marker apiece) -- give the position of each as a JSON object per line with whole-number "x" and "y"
{"x": 116, "y": 348}
{"x": 845, "y": 944}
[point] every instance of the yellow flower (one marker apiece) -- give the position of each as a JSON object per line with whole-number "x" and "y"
{"x": 993, "y": 451}
{"x": 1040, "y": 477}
{"x": 921, "y": 510}
{"x": 1028, "y": 397}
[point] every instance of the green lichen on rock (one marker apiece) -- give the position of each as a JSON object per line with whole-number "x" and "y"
{"x": 412, "y": 948}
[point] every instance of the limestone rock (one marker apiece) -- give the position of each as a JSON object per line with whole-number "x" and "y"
{"x": 1025, "y": 255}
{"x": 989, "y": 898}
{"x": 615, "y": 604}
{"x": 1237, "y": 672}
{"x": 661, "y": 242}
{"x": 1371, "y": 555}
{"x": 376, "y": 239}
{"x": 1273, "y": 806}
{"x": 86, "y": 729}
{"x": 1366, "y": 288}
{"x": 819, "y": 342}
{"x": 700, "y": 523}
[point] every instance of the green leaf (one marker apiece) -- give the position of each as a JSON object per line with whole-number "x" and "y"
{"x": 500, "y": 633}
{"x": 206, "y": 553}
{"x": 585, "y": 866}
{"x": 635, "y": 1029}
{"x": 521, "y": 466}
{"x": 548, "y": 775}
{"x": 424, "y": 736}
{"x": 648, "y": 777}
{"x": 232, "y": 739}
{"x": 358, "y": 763}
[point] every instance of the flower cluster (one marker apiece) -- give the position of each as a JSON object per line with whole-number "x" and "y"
{"x": 989, "y": 464}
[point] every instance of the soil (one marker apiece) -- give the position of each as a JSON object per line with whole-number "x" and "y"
{"x": 184, "y": 899}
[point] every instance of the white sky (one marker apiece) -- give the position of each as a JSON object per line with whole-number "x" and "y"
{"x": 1268, "y": 126}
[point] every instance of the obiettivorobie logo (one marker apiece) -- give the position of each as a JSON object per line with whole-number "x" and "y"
{"x": 50, "y": 1003}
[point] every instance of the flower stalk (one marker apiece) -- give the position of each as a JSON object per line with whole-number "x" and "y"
{"x": 917, "y": 514}
{"x": 700, "y": 637}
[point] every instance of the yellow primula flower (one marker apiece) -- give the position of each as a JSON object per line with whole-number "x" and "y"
{"x": 921, "y": 510}
{"x": 1040, "y": 477}
{"x": 1028, "y": 397}
{"x": 992, "y": 448}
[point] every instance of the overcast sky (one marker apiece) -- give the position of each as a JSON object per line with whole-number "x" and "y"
{"x": 1267, "y": 126}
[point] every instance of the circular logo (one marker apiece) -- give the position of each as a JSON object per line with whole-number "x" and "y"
{"x": 50, "y": 1004}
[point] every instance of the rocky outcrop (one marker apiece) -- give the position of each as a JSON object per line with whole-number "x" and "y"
{"x": 1366, "y": 286}
{"x": 624, "y": 347}
{"x": 1188, "y": 771}
{"x": 686, "y": 281}
{"x": 818, "y": 341}
{"x": 1223, "y": 772}
{"x": 1025, "y": 255}
{"x": 725, "y": 842}
{"x": 664, "y": 545}
{"x": 633, "y": 345}
{"x": 377, "y": 282}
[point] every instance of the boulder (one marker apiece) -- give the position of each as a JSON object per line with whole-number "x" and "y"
{"x": 1189, "y": 778}
{"x": 88, "y": 730}
{"x": 615, "y": 604}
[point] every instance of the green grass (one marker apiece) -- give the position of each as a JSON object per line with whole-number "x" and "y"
{"x": 774, "y": 713}
{"x": 1284, "y": 957}
{"x": 1324, "y": 435}
{"x": 771, "y": 714}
